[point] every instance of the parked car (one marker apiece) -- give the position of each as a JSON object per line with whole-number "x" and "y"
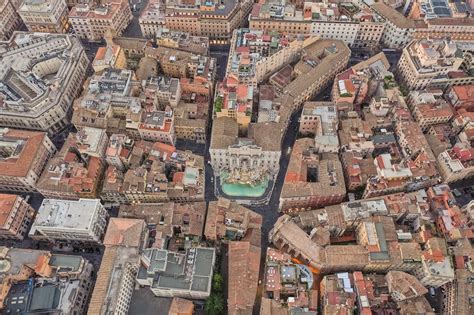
{"x": 432, "y": 291}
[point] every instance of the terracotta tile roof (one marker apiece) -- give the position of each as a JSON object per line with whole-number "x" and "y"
{"x": 451, "y": 21}
{"x": 124, "y": 153}
{"x": 346, "y": 74}
{"x": 459, "y": 260}
{"x": 242, "y": 91}
{"x": 393, "y": 15}
{"x": 6, "y": 204}
{"x": 100, "y": 53}
{"x": 103, "y": 280}
{"x": 19, "y": 166}
{"x": 164, "y": 149}
{"x": 178, "y": 177}
{"x": 464, "y": 92}
{"x": 181, "y": 306}
{"x": 124, "y": 232}
{"x": 256, "y": 10}
{"x": 244, "y": 266}
{"x": 457, "y": 74}
{"x": 242, "y": 50}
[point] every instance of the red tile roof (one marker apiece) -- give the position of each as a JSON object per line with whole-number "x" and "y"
{"x": 20, "y": 166}
{"x": 6, "y": 204}
{"x": 459, "y": 262}
{"x": 178, "y": 177}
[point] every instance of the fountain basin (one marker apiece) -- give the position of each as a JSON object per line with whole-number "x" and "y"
{"x": 243, "y": 190}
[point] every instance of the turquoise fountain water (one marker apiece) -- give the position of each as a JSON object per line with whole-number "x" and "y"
{"x": 243, "y": 190}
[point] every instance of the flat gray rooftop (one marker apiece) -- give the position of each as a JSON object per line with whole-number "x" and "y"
{"x": 173, "y": 282}
{"x": 158, "y": 260}
{"x": 174, "y": 267}
{"x": 203, "y": 264}
{"x": 68, "y": 261}
{"x": 45, "y": 298}
{"x": 144, "y": 302}
{"x": 66, "y": 214}
{"x": 200, "y": 284}
{"x": 191, "y": 271}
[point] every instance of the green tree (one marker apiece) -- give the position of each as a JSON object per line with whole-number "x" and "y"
{"x": 404, "y": 90}
{"x": 215, "y": 305}
{"x": 218, "y": 104}
{"x": 359, "y": 192}
{"x": 217, "y": 283}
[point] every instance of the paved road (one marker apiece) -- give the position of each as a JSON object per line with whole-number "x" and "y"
{"x": 92, "y": 47}
{"x": 196, "y": 148}
{"x": 221, "y": 53}
{"x": 361, "y": 55}
{"x": 34, "y": 199}
{"x": 208, "y": 172}
{"x": 436, "y": 300}
{"x": 393, "y": 57}
{"x": 464, "y": 191}
{"x": 133, "y": 29}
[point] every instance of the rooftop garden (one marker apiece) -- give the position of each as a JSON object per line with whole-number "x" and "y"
{"x": 218, "y": 104}
{"x": 389, "y": 82}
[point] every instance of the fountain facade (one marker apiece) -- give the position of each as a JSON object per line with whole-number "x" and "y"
{"x": 247, "y": 169}
{"x": 244, "y": 167}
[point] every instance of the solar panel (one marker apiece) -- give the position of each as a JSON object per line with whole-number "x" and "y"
{"x": 442, "y": 11}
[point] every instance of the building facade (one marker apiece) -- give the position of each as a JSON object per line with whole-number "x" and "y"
{"x": 455, "y": 165}
{"x": 313, "y": 180}
{"x": 158, "y": 126}
{"x": 457, "y": 28}
{"x": 92, "y": 22}
{"x": 24, "y": 157}
{"x": 255, "y": 55}
{"x": 9, "y": 19}
{"x": 45, "y": 16}
{"x": 152, "y": 18}
{"x": 398, "y": 29}
{"x": 435, "y": 273}
{"x": 187, "y": 126}
{"x": 435, "y": 64}
{"x": 16, "y": 217}
{"x": 354, "y": 24}
{"x": 40, "y": 80}
{"x": 228, "y": 154}
{"x": 216, "y": 20}
{"x": 319, "y": 119}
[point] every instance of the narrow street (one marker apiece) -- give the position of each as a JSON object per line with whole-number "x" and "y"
{"x": 133, "y": 29}
{"x": 360, "y": 55}
{"x": 221, "y": 54}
